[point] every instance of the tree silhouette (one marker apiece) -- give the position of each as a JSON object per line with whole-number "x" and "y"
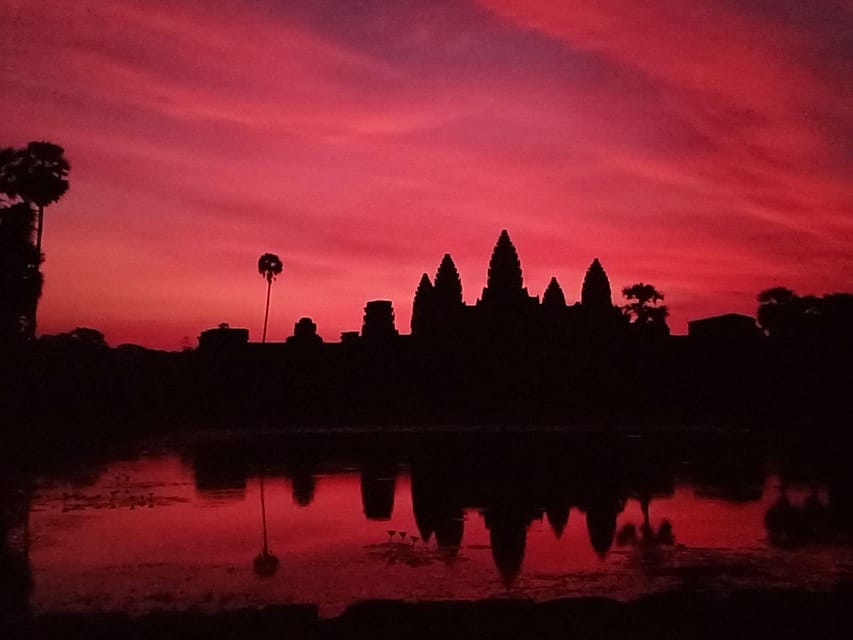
{"x": 777, "y": 295}
{"x": 643, "y": 308}
{"x": 81, "y": 337}
{"x": 783, "y": 314}
{"x": 780, "y": 312}
{"x": 837, "y": 316}
{"x": 20, "y": 279}
{"x": 269, "y": 266}
{"x": 9, "y": 158}
{"x": 36, "y": 175}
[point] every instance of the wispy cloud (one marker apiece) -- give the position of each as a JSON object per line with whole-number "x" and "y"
{"x": 703, "y": 144}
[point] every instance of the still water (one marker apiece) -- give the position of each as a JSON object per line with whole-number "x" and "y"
{"x": 181, "y": 525}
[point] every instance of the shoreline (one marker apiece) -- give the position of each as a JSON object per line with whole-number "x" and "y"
{"x": 751, "y": 614}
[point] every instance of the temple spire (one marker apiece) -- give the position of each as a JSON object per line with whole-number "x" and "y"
{"x": 504, "y": 266}
{"x": 595, "y": 294}
{"x": 447, "y": 292}
{"x": 554, "y": 298}
{"x": 505, "y": 283}
{"x": 422, "y": 304}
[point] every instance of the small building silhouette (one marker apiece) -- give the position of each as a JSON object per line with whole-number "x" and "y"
{"x": 305, "y": 333}
{"x": 349, "y": 337}
{"x": 379, "y": 321}
{"x": 223, "y": 338}
{"x": 727, "y": 328}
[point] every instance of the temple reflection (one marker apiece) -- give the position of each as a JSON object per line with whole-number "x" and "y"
{"x": 511, "y": 486}
{"x": 508, "y": 537}
{"x": 378, "y": 481}
{"x": 558, "y": 518}
{"x": 437, "y": 506}
{"x": 303, "y": 485}
{"x": 506, "y": 506}
{"x": 601, "y": 526}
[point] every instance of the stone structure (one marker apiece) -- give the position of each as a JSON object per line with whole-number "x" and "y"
{"x": 379, "y": 321}
{"x": 223, "y": 338}
{"x": 305, "y": 333}
{"x": 727, "y": 328}
{"x": 505, "y": 310}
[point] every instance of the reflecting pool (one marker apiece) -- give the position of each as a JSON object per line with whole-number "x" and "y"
{"x": 212, "y": 524}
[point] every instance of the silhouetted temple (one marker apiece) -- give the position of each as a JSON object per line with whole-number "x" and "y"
{"x": 505, "y": 309}
{"x": 515, "y": 357}
{"x": 505, "y": 312}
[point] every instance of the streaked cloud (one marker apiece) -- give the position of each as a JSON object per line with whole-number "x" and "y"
{"x": 700, "y": 144}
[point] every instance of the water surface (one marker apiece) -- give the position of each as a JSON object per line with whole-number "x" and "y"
{"x": 181, "y": 526}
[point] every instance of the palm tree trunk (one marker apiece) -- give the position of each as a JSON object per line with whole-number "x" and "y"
{"x": 267, "y": 311}
{"x": 31, "y": 326}
{"x": 39, "y": 229}
{"x": 264, "y": 518}
{"x": 31, "y": 329}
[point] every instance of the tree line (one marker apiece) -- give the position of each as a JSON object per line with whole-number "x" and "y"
{"x": 784, "y": 315}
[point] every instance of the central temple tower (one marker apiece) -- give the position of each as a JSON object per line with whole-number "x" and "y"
{"x": 505, "y": 285}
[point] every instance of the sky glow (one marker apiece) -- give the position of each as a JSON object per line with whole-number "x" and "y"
{"x": 705, "y": 146}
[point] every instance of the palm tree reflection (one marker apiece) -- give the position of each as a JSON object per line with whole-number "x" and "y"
{"x": 265, "y": 564}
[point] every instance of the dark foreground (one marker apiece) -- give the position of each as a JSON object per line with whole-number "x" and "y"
{"x": 680, "y": 615}
{"x": 73, "y": 383}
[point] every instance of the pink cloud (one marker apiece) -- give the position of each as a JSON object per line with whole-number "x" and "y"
{"x": 690, "y": 143}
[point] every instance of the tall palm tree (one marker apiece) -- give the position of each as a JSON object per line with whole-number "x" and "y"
{"x": 37, "y": 174}
{"x": 269, "y": 266}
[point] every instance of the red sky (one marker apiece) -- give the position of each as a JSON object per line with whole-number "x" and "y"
{"x": 705, "y": 146}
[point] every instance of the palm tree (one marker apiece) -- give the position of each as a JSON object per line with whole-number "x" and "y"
{"x": 269, "y": 266}
{"x": 20, "y": 278}
{"x": 37, "y": 174}
{"x": 265, "y": 564}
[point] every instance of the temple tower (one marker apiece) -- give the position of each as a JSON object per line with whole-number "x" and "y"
{"x": 447, "y": 291}
{"x": 378, "y": 320}
{"x": 554, "y": 298}
{"x": 595, "y": 293}
{"x": 422, "y": 306}
{"x": 305, "y": 332}
{"x": 505, "y": 285}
